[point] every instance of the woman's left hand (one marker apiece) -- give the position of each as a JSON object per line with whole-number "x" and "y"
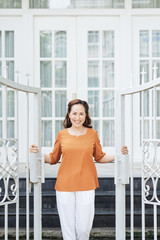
{"x": 124, "y": 150}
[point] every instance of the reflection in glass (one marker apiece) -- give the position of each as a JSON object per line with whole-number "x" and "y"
{"x": 108, "y": 44}
{"x": 108, "y": 103}
{"x": 93, "y": 101}
{"x": 93, "y": 74}
{"x": 157, "y": 64}
{"x": 56, "y": 4}
{"x": 60, "y": 44}
{"x": 144, "y": 64}
{"x": 10, "y": 70}
{"x": 58, "y": 126}
{"x": 93, "y": 44}
{"x": 108, "y": 74}
{"x": 144, "y": 43}
{"x": 10, "y": 129}
{"x": 10, "y": 103}
{"x": 46, "y": 73}
{"x": 158, "y": 103}
{"x": 11, "y": 4}
{"x": 0, "y": 44}
{"x": 158, "y": 129}
{"x": 145, "y": 4}
{"x": 45, "y": 44}
{"x": 9, "y": 44}
{"x": 46, "y": 133}
{"x": 46, "y": 103}
{"x": 156, "y": 43}
{"x": 60, "y": 74}
{"x": 108, "y": 133}
{"x": 60, "y": 103}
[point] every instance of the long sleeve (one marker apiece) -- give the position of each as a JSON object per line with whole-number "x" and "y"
{"x": 56, "y": 153}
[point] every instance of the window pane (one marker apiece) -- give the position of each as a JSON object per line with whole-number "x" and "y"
{"x": 10, "y": 104}
{"x": 0, "y": 129}
{"x": 76, "y": 4}
{"x": 93, "y": 44}
{"x": 108, "y": 103}
{"x": 146, "y": 104}
{"x": 60, "y": 103}
{"x": 58, "y": 126}
{"x": 60, "y": 74}
{"x": 96, "y": 125}
{"x": 156, "y": 43}
{"x": 108, "y": 43}
{"x": 146, "y": 128}
{"x": 0, "y": 103}
{"x": 157, "y": 64}
{"x": 11, "y": 4}
{"x": 45, "y": 44}
{"x": 108, "y": 74}
{"x": 10, "y": 129}
{"x": 46, "y": 133}
{"x": 145, "y": 3}
{"x": 158, "y": 103}
{"x": 158, "y": 129}
{"x": 46, "y": 73}
{"x": 93, "y": 74}
{"x": 9, "y": 44}
{"x": 108, "y": 133}
{"x": 144, "y": 65}
{"x": 144, "y": 43}
{"x": 10, "y": 70}
{"x": 0, "y": 44}
{"x": 60, "y": 44}
{"x": 93, "y": 100}
{"x": 46, "y": 104}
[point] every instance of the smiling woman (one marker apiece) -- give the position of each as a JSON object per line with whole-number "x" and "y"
{"x": 77, "y": 177}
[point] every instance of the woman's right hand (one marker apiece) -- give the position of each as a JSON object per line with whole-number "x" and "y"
{"x": 33, "y": 148}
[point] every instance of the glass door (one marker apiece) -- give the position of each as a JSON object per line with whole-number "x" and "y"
{"x": 97, "y": 71}
{"x": 55, "y": 72}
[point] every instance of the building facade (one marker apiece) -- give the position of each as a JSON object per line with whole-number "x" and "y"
{"x": 80, "y": 49}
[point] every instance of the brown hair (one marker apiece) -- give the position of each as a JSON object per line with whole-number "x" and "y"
{"x": 67, "y": 123}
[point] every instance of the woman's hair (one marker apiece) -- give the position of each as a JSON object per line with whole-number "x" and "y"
{"x": 67, "y": 123}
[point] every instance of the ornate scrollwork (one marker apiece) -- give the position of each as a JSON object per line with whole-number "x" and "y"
{"x": 9, "y": 181}
{"x": 151, "y": 171}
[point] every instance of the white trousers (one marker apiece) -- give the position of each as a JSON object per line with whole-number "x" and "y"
{"x": 76, "y": 213}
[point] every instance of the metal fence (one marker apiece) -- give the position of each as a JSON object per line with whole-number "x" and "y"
{"x": 9, "y": 158}
{"x": 150, "y": 160}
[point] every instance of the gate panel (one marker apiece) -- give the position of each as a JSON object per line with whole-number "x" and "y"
{"x": 9, "y": 158}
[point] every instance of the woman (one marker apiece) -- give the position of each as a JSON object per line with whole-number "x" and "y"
{"x": 77, "y": 178}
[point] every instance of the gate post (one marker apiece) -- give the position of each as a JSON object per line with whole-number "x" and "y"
{"x": 121, "y": 168}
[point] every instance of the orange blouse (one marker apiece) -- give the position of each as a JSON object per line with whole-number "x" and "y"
{"x": 77, "y": 171}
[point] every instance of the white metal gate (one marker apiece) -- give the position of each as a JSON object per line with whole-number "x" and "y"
{"x": 150, "y": 160}
{"x": 9, "y": 158}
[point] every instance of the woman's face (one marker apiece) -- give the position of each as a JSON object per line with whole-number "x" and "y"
{"x": 77, "y": 115}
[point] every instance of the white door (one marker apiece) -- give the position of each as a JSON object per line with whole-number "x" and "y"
{"x": 77, "y": 57}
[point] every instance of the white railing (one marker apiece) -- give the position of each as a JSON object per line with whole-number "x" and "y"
{"x": 150, "y": 164}
{"x": 9, "y": 158}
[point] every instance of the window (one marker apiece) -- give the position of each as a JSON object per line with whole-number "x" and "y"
{"x": 11, "y": 4}
{"x": 76, "y": 4}
{"x": 7, "y": 56}
{"x": 149, "y": 57}
{"x": 145, "y": 3}
{"x": 101, "y": 83}
{"x": 53, "y": 81}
